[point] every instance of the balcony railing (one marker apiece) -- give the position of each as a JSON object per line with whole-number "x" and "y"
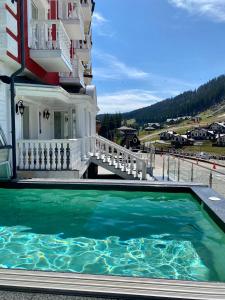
{"x": 77, "y": 74}
{"x": 68, "y": 9}
{"x": 84, "y": 44}
{"x": 87, "y": 9}
{"x": 50, "y": 35}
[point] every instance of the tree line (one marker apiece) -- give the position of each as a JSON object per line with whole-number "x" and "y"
{"x": 188, "y": 103}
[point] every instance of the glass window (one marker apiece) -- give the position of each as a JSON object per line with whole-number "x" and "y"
{"x": 34, "y": 11}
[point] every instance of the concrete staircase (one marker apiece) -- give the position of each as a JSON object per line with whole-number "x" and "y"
{"x": 118, "y": 160}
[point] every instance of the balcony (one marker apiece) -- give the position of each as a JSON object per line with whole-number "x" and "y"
{"x": 88, "y": 75}
{"x": 71, "y": 16}
{"x": 50, "y": 46}
{"x": 76, "y": 77}
{"x": 87, "y": 6}
{"x": 83, "y": 49}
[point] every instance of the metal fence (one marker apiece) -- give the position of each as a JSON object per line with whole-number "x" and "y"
{"x": 174, "y": 168}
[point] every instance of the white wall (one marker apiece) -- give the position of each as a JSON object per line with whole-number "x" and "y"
{"x": 4, "y": 110}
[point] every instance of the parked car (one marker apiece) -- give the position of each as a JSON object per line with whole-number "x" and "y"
{"x": 203, "y": 155}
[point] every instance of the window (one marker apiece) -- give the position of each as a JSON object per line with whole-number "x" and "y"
{"x": 34, "y": 11}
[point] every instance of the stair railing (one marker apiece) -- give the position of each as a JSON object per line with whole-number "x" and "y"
{"x": 120, "y": 157}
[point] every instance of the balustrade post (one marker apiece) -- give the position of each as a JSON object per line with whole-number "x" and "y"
{"x": 131, "y": 165}
{"x": 210, "y": 179}
{"x": 136, "y": 175}
{"x": 94, "y": 146}
{"x": 178, "y": 169}
{"x": 117, "y": 162}
{"x": 168, "y": 168}
{"x": 20, "y": 155}
{"x": 26, "y": 156}
{"x": 144, "y": 170}
{"x": 31, "y": 145}
{"x": 192, "y": 172}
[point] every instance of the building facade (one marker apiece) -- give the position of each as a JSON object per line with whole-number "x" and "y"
{"x": 201, "y": 134}
{"x": 217, "y": 127}
{"x": 55, "y": 101}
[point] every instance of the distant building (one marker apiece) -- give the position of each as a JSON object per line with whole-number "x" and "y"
{"x": 217, "y": 127}
{"x": 154, "y": 125}
{"x": 129, "y": 137}
{"x": 127, "y": 130}
{"x": 181, "y": 140}
{"x": 167, "y": 135}
{"x": 201, "y": 134}
{"x": 178, "y": 119}
{"x": 149, "y": 128}
{"x": 197, "y": 119}
{"x": 220, "y": 140}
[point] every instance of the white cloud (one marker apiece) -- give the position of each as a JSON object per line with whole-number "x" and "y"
{"x": 101, "y": 25}
{"x": 157, "y": 87}
{"x": 126, "y": 100}
{"x": 113, "y": 69}
{"x": 98, "y": 19}
{"x": 214, "y": 9}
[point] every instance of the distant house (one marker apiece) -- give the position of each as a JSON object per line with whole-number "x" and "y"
{"x": 178, "y": 119}
{"x": 171, "y": 121}
{"x": 181, "y": 140}
{"x": 167, "y": 135}
{"x": 197, "y": 119}
{"x": 129, "y": 137}
{"x": 220, "y": 140}
{"x": 127, "y": 130}
{"x": 201, "y": 134}
{"x": 154, "y": 125}
{"x": 217, "y": 127}
{"x": 149, "y": 128}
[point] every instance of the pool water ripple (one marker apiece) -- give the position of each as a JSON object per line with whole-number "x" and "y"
{"x": 139, "y": 234}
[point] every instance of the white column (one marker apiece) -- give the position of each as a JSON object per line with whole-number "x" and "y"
{"x": 81, "y": 128}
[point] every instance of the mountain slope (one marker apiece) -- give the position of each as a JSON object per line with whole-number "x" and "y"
{"x": 188, "y": 103}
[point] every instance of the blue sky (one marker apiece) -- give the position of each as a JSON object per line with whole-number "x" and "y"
{"x": 147, "y": 50}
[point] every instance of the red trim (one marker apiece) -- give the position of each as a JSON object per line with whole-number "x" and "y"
{"x": 12, "y": 56}
{"x": 11, "y": 34}
{"x": 31, "y": 65}
{"x": 11, "y": 11}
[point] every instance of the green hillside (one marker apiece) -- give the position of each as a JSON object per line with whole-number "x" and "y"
{"x": 189, "y": 103}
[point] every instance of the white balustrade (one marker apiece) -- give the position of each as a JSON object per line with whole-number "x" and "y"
{"x": 49, "y": 155}
{"x": 69, "y": 10}
{"x": 86, "y": 44}
{"x": 120, "y": 157}
{"x": 50, "y": 35}
{"x": 56, "y": 155}
{"x": 77, "y": 71}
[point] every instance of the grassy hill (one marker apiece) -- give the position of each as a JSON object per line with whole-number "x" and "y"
{"x": 214, "y": 114}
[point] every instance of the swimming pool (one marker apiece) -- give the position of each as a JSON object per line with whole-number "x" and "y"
{"x": 149, "y": 234}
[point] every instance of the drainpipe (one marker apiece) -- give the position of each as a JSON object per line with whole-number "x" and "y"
{"x": 12, "y": 87}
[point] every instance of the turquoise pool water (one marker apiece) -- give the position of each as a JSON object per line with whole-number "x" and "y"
{"x": 143, "y": 234}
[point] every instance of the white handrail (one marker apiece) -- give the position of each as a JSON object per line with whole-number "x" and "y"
{"x": 123, "y": 159}
{"x": 49, "y": 155}
{"x": 50, "y": 35}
